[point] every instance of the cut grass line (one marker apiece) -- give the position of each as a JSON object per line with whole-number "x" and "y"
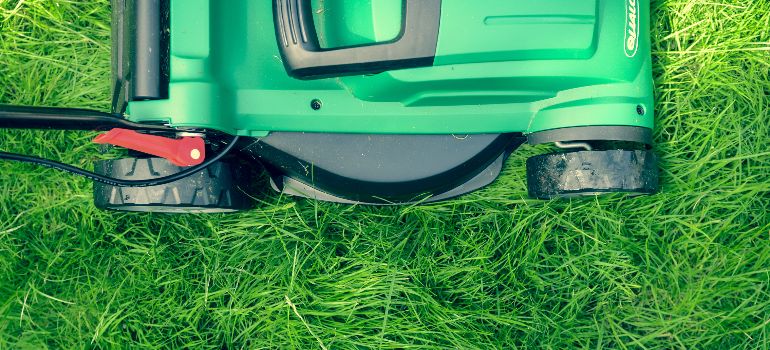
{"x": 32, "y": 287}
{"x": 307, "y": 326}
{"x": 23, "y": 307}
{"x": 388, "y": 302}
{"x": 10, "y": 230}
{"x": 704, "y": 51}
{"x": 102, "y": 325}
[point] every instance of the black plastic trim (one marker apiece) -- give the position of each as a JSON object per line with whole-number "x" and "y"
{"x": 141, "y": 49}
{"x": 120, "y": 67}
{"x": 148, "y": 60}
{"x": 305, "y": 59}
{"x": 593, "y": 133}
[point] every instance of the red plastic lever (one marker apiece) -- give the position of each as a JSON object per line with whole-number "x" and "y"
{"x": 187, "y": 151}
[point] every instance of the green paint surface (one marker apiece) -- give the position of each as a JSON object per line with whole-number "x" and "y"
{"x": 522, "y": 66}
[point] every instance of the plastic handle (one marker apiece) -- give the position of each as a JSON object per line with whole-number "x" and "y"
{"x": 187, "y": 151}
{"x": 305, "y": 59}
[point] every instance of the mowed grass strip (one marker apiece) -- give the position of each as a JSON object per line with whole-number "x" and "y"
{"x": 688, "y": 268}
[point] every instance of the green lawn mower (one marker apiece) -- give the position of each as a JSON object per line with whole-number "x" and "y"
{"x": 370, "y": 101}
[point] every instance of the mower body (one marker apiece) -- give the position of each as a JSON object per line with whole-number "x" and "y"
{"x": 385, "y": 101}
{"x": 499, "y": 66}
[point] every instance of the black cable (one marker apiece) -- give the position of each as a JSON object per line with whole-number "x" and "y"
{"x": 118, "y": 182}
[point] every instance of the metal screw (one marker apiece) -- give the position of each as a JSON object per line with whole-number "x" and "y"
{"x": 640, "y": 110}
{"x": 316, "y": 104}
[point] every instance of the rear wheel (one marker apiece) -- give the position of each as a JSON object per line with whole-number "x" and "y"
{"x": 221, "y": 188}
{"x": 586, "y": 173}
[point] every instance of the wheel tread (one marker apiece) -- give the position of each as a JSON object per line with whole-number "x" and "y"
{"x": 213, "y": 189}
{"x": 588, "y": 172}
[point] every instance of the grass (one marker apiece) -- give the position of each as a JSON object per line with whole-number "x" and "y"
{"x": 688, "y": 268}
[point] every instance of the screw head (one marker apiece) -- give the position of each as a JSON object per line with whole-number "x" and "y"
{"x": 316, "y": 104}
{"x": 640, "y": 110}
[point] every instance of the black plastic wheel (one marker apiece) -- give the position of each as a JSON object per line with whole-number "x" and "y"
{"x": 218, "y": 189}
{"x": 588, "y": 173}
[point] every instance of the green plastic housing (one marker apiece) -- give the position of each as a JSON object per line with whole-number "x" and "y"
{"x": 501, "y": 66}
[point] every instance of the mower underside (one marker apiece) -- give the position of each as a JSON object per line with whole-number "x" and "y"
{"x": 382, "y": 169}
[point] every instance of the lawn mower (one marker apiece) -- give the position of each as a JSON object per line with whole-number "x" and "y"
{"x": 365, "y": 102}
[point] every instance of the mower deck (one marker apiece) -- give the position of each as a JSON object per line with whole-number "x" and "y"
{"x": 375, "y": 101}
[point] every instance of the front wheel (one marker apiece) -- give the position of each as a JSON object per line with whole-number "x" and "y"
{"x": 221, "y": 188}
{"x": 586, "y": 173}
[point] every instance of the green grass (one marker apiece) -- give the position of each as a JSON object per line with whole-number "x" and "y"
{"x": 688, "y": 268}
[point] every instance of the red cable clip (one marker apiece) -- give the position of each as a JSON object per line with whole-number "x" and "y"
{"x": 187, "y": 151}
